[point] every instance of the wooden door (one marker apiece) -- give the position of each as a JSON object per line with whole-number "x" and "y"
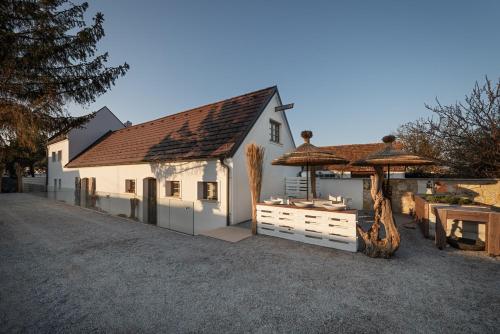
{"x": 84, "y": 192}
{"x": 149, "y": 198}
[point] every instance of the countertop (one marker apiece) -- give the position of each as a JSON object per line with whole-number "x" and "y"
{"x": 314, "y": 208}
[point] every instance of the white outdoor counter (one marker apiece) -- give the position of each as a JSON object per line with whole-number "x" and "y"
{"x": 318, "y": 226}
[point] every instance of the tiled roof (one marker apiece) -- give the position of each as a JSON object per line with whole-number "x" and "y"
{"x": 211, "y": 131}
{"x": 356, "y": 152}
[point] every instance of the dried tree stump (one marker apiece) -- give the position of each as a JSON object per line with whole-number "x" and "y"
{"x": 373, "y": 245}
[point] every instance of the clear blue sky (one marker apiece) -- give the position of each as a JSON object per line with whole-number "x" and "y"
{"x": 355, "y": 70}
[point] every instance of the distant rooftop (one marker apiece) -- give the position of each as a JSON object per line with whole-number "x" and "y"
{"x": 355, "y": 152}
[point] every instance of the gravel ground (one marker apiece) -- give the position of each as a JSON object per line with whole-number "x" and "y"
{"x": 66, "y": 269}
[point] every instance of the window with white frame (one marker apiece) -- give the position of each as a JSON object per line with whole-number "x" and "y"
{"x": 130, "y": 186}
{"x": 173, "y": 189}
{"x": 59, "y": 155}
{"x": 275, "y": 131}
{"x": 53, "y": 156}
{"x": 208, "y": 191}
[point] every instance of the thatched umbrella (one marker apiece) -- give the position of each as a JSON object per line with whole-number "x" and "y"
{"x": 309, "y": 155}
{"x": 374, "y": 246}
{"x": 390, "y": 156}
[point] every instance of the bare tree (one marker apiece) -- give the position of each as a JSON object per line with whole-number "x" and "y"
{"x": 464, "y": 136}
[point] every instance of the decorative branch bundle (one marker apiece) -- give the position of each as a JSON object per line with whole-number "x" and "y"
{"x": 255, "y": 158}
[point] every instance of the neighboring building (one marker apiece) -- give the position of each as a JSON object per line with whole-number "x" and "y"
{"x": 353, "y": 153}
{"x": 185, "y": 171}
{"x": 67, "y": 144}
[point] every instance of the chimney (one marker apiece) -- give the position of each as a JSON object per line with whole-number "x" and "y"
{"x": 127, "y": 124}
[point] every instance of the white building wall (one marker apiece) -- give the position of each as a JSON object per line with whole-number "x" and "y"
{"x": 273, "y": 182}
{"x": 347, "y": 175}
{"x": 83, "y": 137}
{"x": 55, "y": 168}
{"x": 112, "y": 198}
{"x": 110, "y": 180}
{"x": 349, "y": 188}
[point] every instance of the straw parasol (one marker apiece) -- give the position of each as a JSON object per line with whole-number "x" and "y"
{"x": 308, "y": 155}
{"x": 374, "y": 246}
{"x": 390, "y": 156}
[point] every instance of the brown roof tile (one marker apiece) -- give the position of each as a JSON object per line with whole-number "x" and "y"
{"x": 211, "y": 131}
{"x": 355, "y": 152}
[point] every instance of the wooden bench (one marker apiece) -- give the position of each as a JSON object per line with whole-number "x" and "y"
{"x": 475, "y": 215}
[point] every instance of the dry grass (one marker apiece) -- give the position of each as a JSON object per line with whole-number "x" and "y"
{"x": 255, "y": 158}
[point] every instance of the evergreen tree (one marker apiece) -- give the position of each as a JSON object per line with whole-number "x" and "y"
{"x": 48, "y": 58}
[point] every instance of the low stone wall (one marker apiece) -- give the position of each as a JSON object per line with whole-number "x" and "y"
{"x": 486, "y": 191}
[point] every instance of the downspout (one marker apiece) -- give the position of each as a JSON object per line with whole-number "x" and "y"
{"x": 226, "y": 167}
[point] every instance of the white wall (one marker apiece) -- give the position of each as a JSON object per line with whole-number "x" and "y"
{"x": 81, "y": 138}
{"x": 110, "y": 187}
{"x": 110, "y": 180}
{"x": 347, "y": 175}
{"x": 273, "y": 182}
{"x": 351, "y": 188}
{"x": 56, "y": 168}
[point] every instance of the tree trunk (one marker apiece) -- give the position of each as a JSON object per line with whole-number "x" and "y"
{"x": 19, "y": 175}
{"x": 374, "y": 246}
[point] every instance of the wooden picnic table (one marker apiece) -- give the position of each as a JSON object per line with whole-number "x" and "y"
{"x": 469, "y": 214}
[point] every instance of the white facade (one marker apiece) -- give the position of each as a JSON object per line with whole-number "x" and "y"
{"x": 348, "y": 188}
{"x": 81, "y": 138}
{"x": 273, "y": 182}
{"x": 347, "y": 174}
{"x": 205, "y": 214}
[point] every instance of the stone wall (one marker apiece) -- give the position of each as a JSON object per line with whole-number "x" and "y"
{"x": 486, "y": 191}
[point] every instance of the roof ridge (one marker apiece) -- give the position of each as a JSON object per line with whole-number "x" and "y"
{"x": 198, "y": 107}
{"x": 363, "y": 144}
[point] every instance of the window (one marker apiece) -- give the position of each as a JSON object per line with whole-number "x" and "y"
{"x": 59, "y": 155}
{"x": 53, "y": 156}
{"x": 130, "y": 186}
{"x": 59, "y": 184}
{"x": 55, "y": 184}
{"x": 275, "y": 131}
{"x": 207, "y": 191}
{"x": 173, "y": 188}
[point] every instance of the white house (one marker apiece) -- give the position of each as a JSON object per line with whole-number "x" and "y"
{"x": 186, "y": 171}
{"x": 66, "y": 145}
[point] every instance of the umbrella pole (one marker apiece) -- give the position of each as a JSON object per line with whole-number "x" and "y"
{"x": 307, "y": 181}
{"x": 388, "y": 181}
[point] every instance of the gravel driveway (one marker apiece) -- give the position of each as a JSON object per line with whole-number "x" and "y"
{"x": 65, "y": 269}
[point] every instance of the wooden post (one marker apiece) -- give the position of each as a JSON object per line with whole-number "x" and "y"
{"x": 92, "y": 195}
{"x": 78, "y": 189}
{"x": 493, "y": 234}
{"x": 2, "y": 170}
{"x": 313, "y": 183}
{"x": 19, "y": 175}
{"x": 441, "y": 227}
